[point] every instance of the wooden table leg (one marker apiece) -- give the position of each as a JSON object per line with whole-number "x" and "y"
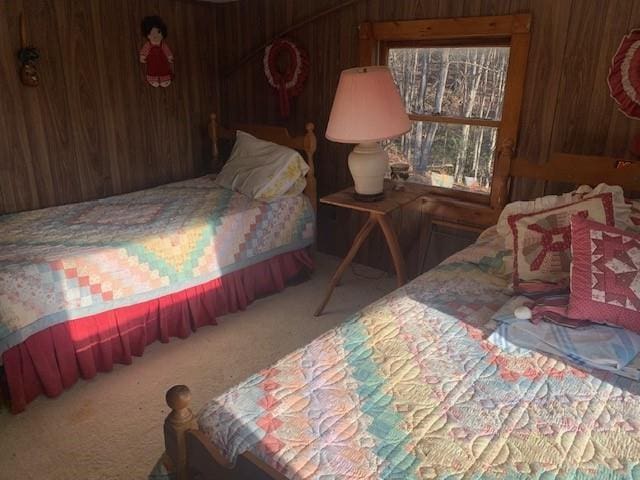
{"x": 394, "y": 248}
{"x": 426, "y": 231}
{"x": 357, "y": 243}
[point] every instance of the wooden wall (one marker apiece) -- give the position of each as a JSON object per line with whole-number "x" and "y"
{"x": 93, "y": 127}
{"x": 566, "y": 106}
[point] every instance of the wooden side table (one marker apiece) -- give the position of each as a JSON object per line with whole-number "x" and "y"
{"x": 378, "y": 215}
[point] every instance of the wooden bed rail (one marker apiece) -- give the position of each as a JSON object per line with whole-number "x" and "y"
{"x": 306, "y": 143}
{"x": 191, "y": 454}
{"x": 180, "y": 430}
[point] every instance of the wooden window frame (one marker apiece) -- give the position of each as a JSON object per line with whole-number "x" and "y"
{"x": 513, "y": 31}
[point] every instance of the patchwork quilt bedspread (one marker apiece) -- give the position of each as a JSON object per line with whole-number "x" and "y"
{"x": 68, "y": 262}
{"x": 409, "y": 388}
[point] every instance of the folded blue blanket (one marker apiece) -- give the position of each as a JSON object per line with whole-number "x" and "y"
{"x": 594, "y": 345}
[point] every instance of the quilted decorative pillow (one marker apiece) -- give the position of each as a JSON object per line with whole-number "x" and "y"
{"x": 542, "y": 242}
{"x": 621, "y": 207}
{"x": 263, "y": 170}
{"x": 605, "y": 274}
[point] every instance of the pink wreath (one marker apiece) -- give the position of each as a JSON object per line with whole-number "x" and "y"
{"x": 624, "y": 75}
{"x": 289, "y": 82}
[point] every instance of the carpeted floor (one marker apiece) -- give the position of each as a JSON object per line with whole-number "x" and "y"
{"x": 111, "y": 427}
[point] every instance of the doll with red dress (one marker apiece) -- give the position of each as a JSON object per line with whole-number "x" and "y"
{"x": 155, "y": 53}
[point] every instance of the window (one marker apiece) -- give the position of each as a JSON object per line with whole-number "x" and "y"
{"x": 454, "y": 95}
{"x": 462, "y": 81}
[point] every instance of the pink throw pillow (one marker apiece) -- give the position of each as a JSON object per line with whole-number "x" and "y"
{"x": 605, "y": 274}
{"x": 542, "y": 242}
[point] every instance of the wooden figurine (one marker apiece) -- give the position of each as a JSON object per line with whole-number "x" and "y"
{"x": 155, "y": 53}
{"x": 27, "y": 55}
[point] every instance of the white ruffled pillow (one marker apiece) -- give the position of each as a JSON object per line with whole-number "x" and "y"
{"x": 621, "y": 209}
{"x": 263, "y": 170}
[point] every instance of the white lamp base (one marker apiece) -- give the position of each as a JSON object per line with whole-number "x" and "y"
{"x": 368, "y": 164}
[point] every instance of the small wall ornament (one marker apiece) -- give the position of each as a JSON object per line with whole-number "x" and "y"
{"x": 624, "y": 75}
{"x": 155, "y": 54}
{"x": 286, "y": 66}
{"x": 624, "y": 81}
{"x": 27, "y": 55}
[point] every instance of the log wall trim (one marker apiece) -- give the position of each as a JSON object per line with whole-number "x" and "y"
{"x": 448, "y": 28}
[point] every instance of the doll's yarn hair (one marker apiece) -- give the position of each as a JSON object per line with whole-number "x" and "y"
{"x": 28, "y": 55}
{"x": 151, "y": 22}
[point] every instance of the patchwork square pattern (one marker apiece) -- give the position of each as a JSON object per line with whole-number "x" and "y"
{"x": 71, "y": 261}
{"x": 605, "y": 275}
{"x": 542, "y": 242}
{"x": 118, "y": 214}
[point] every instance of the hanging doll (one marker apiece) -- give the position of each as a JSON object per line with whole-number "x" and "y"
{"x": 155, "y": 53}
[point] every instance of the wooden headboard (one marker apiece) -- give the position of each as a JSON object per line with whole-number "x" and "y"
{"x": 305, "y": 144}
{"x": 580, "y": 170}
{"x": 561, "y": 167}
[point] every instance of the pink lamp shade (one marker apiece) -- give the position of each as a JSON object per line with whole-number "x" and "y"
{"x": 367, "y": 107}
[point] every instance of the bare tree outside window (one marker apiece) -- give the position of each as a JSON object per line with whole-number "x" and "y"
{"x": 454, "y": 96}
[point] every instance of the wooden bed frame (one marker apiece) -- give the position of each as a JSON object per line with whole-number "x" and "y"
{"x": 180, "y": 430}
{"x": 193, "y": 456}
{"x": 306, "y": 144}
{"x": 561, "y": 168}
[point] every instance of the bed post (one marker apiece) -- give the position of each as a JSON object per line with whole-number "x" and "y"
{"x": 310, "y": 145}
{"x": 213, "y": 134}
{"x": 502, "y": 176}
{"x": 176, "y": 425}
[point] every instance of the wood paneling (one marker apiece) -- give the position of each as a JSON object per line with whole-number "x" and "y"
{"x": 94, "y": 127}
{"x": 566, "y": 106}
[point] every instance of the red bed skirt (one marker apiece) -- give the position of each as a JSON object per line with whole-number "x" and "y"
{"x": 54, "y": 359}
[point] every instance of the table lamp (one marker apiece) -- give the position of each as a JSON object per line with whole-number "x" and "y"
{"x": 367, "y": 108}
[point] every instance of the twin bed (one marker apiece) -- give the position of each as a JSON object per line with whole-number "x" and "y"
{"x": 88, "y": 285}
{"x": 410, "y": 387}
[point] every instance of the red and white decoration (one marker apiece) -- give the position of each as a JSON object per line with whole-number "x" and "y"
{"x": 286, "y": 66}
{"x": 605, "y": 274}
{"x": 624, "y": 75}
{"x": 542, "y": 242}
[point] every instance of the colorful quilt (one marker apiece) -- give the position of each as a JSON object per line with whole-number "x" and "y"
{"x": 68, "y": 262}
{"x": 409, "y": 388}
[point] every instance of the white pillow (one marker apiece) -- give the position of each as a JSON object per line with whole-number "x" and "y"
{"x": 263, "y": 170}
